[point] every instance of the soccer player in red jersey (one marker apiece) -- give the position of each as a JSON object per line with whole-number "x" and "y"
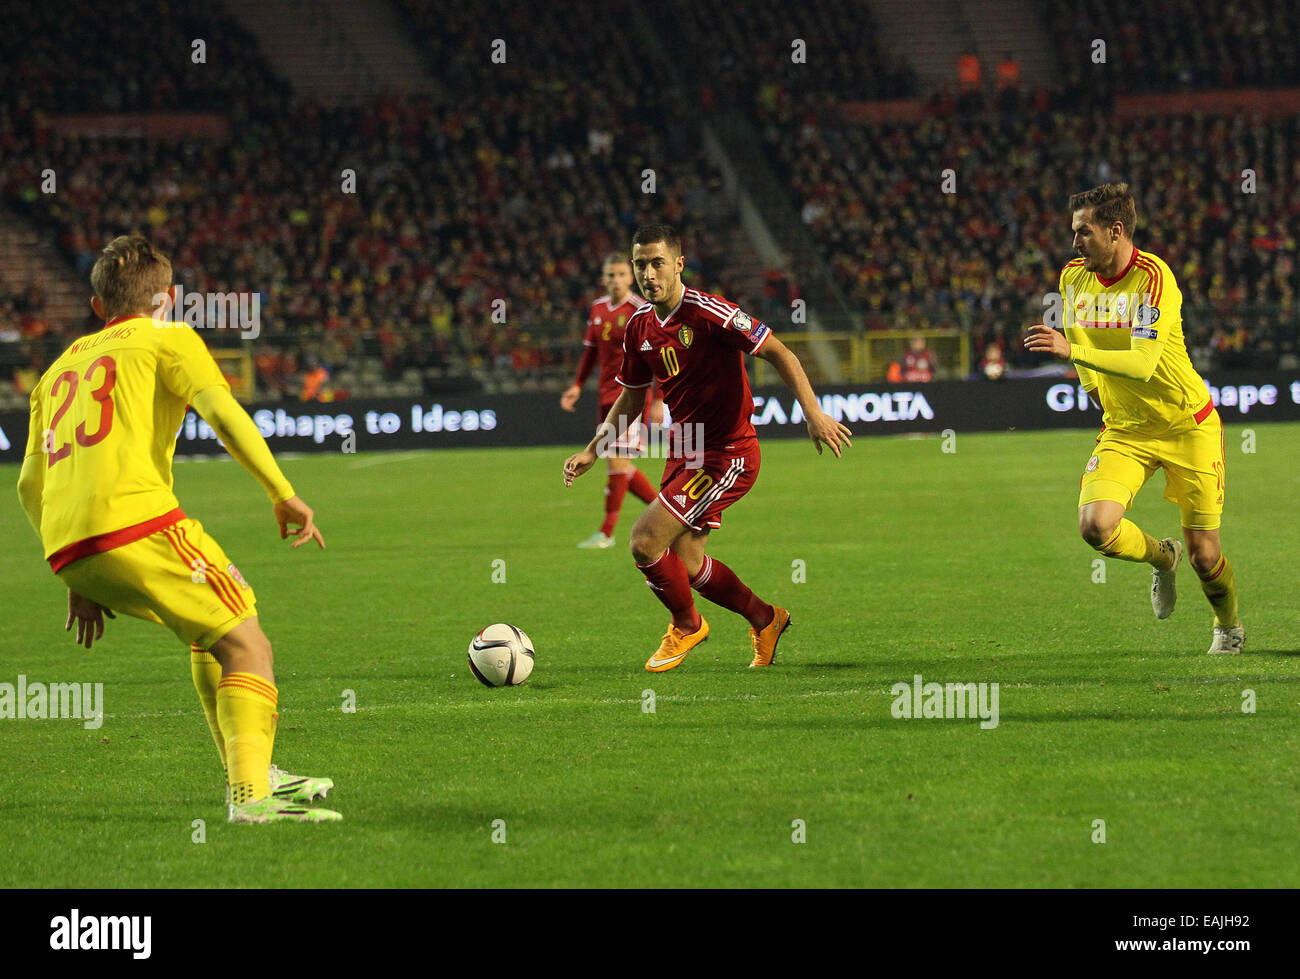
{"x": 693, "y": 344}
{"x": 606, "y": 323}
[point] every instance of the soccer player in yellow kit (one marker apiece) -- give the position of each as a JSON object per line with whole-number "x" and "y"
{"x": 96, "y": 483}
{"x": 1123, "y": 332}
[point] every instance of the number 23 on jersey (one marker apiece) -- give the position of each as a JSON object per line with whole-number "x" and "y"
{"x": 70, "y": 382}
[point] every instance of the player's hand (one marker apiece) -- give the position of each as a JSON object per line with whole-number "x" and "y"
{"x": 823, "y": 428}
{"x": 295, "y": 511}
{"x": 657, "y": 412}
{"x": 570, "y": 397}
{"x": 1043, "y": 339}
{"x": 89, "y": 617}
{"x": 577, "y": 464}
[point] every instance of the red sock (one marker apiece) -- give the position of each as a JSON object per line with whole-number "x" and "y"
{"x": 615, "y": 490}
{"x": 719, "y": 584}
{"x": 641, "y": 486}
{"x": 667, "y": 577}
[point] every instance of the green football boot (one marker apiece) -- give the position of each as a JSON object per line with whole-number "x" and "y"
{"x": 273, "y": 810}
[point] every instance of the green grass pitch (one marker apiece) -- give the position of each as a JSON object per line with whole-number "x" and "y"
{"x": 962, "y": 567}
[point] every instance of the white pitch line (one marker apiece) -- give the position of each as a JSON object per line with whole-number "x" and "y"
{"x": 547, "y": 702}
{"x": 485, "y": 702}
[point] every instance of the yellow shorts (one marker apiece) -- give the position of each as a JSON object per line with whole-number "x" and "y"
{"x": 178, "y": 577}
{"x": 1194, "y": 462}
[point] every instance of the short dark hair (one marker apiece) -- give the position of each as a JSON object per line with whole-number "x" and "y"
{"x": 128, "y": 274}
{"x": 1109, "y": 203}
{"x": 616, "y": 258}
{"x": 648, "y": 234}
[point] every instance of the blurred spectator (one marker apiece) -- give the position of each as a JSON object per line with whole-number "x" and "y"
{"x": 1008, "y": 73}
{"x": 918, "y": 363}
{"x": 315, "y": 384}
{"x": 992, "y": 365}
{"x": 1008, "y": 82}
{"x": 970, "y": 83}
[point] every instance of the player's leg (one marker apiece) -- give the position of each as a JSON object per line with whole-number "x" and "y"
{"x": 1103, "y": 525}
{"x": 637, "y": 484}
{"x": 653, "y": 536}
{"x": 180, "y": 577}
{"x": 246, "y": 709}
{"x": 717, "y": 582}
{"x": 1219, "y": 583}
{"x": 1114, "y": 474}
{"x": 620, "y": 471}
{"x": 1195, "y": 476}
{"x": 616, "y": 485}
{"x": 205, "y": 671}
{"x": 119, "y": 580}
{"x": 697, "y": 497}
{"x": 723, "y": 587}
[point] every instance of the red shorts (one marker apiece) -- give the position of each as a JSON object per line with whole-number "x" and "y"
{"x": 698, "y": 496}
{"x": 631, "y": 442}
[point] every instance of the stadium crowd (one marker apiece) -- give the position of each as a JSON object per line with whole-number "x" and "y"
{"x": 1252, "y": 43}
{"x": 908, "y": 254}
{"x": 470, "y": 242}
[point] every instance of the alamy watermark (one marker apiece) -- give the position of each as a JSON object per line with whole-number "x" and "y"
{"x": 1132, "y": 311}
{"x": 240, "y": 311}
{"x": 36, "y": 701}
{"x": 675, "y": 441}
{"x": 125, "y": 932}
{"x": 921, "y": 700}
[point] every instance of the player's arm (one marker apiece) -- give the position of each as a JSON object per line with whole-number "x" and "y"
{"x": 186, "y": 368}
{"x": 245, "y": 444}
{"x": 1088, "y": 381}
{"x": 31, "y": 484}
{"x": 1146, "y": 342}
{"x": 627, "y": 408}
{"x": 656, "y": 399}
{"x": 821, "y": 426}
{"x": 88, "y": 615}
{"x": 31, "y": 478}
{"x": 1087, "y": 378}
{"x": 1137, "y": 363}
{"x": 585, "y": 366}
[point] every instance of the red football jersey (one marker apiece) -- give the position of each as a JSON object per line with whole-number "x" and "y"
{"x": 606, "y": 325}
{"x": 918, "y": 368}
{"x": 697, "y": 355}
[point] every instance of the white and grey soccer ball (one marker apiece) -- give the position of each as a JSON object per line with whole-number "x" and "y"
{"x": 501, "y": 655}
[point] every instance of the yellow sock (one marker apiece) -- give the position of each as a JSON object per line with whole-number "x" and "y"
{"x": 1220, "y": 587}
{"x": 206, "y": 672}
{"x": 246, "y": 710}
{"x": 1131, "y": 543}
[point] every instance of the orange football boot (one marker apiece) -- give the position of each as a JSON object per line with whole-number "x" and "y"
{"x": 764, "y": 641}
{"x": 675, "y": 645}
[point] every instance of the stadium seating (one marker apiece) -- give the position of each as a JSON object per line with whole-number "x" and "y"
{"x": 511, "y": 180}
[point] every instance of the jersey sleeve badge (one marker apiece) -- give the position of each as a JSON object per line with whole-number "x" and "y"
{"x": 1143, "y": 318}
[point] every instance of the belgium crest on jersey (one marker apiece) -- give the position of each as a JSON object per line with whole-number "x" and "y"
{"x": 686, "y": 335}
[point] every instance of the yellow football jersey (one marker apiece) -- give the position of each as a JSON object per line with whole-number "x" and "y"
{"x": 1126, "y": 337}
{"x": 105, "y": 417}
